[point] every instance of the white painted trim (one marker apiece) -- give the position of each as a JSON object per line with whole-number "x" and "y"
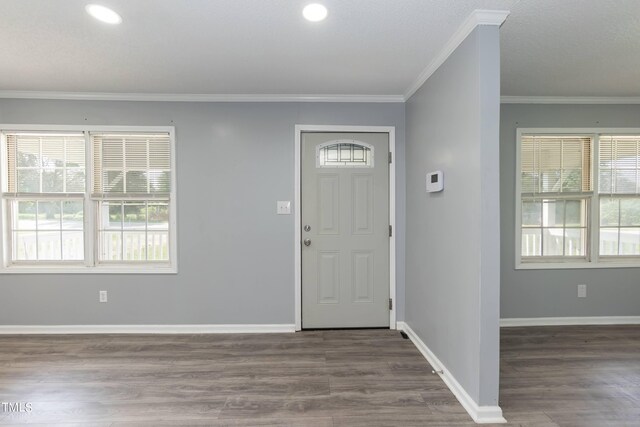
{"x": 391, "y": 130}
{"x": 146, "y": 329}
{"x": 480, "y": 414}
{"x": 477, "y": 17}
{"x": 570, "y": 99}
{"x": 566, "y": 321}
{"x": 196, "y": 97}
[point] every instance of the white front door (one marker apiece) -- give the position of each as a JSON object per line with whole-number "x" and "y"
{"x": 345, "y": 230}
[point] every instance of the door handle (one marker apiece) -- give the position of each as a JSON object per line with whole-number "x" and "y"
{"x": 307, "y": 242}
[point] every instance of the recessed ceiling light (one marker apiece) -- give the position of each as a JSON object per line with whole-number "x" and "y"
{"x": 103, "y": 14}
{"x": 314, "y": 12}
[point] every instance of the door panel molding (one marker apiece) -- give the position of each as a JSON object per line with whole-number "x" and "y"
{"x": 299, "y": 129}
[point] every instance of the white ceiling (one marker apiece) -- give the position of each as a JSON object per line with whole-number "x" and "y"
{"x": 365, "y": 47}
{"x": 572, "y": 48}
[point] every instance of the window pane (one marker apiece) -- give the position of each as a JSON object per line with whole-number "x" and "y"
{"x": 53, "y": 152}
{"x": 42, "y": 163}
{"x": 111, "y": 246}
{"x": 160, "y": 181}
{"x": 529, "y": 182}
{"x": 75, "y": 181}
{"x": 134, "y": 163}
{"x": 112, "y": 215}
{"x": 344, "y": 154}
{"x": 136, "y": 182}
{"x": 531, "y": 213}
{"x": 574, "y": 242}
{"x": 572, "y": 180}
{"x": 135, "y": 215}
{"x": 605, "y": 181}
{"x": 630, "y": 212}
{"x": 28, "y": 152}
{"x": 134, "y": 246}
{"x": 24, "y": 246}
{"x": 575, "y": 213}
{"x": 531, "y": 242}
{"x": 158, "y": 246}
{"x": 158, "y": 216}
{"x": 52, "y": 181}
{"x": 609, "y": 211}
{"x": 630, "y": 241}
{"x": 551, "y": 181}
{"x": 28, "y": 181}
{"x": 72, "y": 245}
{"x": 553, "y": 213}
{"x": 73, "y": 215}
{"x": 49, "y": 215}
{"x": 49, "y": 245}
{"x": 553, "y": 242}
{"x": 75, "y": 152}
{"x": 608, "y": 241}
{"x": 625, "y": 181}
{"x": 27, "y": 212}
{"x": 113, "y": 182}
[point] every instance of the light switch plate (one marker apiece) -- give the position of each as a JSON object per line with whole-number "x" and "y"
{"x": 283, "y": 207}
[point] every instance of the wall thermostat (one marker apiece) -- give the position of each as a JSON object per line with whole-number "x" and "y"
{"x": 434, "y": 182}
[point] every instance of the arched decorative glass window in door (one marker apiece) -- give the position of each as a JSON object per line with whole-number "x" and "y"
{"x": 344, "y": 153}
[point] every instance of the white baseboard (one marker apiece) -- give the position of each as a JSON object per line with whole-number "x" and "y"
{"x": 145, "y": 329}
{"x": 566, "y": 321}
{"x": 480, "y": 414}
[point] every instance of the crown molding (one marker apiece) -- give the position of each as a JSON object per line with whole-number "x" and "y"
{"x": 570, "y": 100}
{"x": 195, "y": 97}
{"x": 477, "y": 17}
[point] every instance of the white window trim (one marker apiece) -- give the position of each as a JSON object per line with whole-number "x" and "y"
{"x": 592, "y": 260}
{"x": 90, "y": 266}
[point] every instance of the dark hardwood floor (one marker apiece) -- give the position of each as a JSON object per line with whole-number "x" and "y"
{"x": 573, "y": 376}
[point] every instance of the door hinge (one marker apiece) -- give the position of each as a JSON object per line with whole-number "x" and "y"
{"x": 390, "y": 304}
{"x": 390, "y": 157}
{"x": 390, "y": 230}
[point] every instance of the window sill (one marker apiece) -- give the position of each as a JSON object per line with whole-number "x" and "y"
{"x": 575, "y": 265}
{"x": 103, "y": 269}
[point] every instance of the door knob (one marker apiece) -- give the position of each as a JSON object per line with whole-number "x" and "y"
{"x": 307, "y": 228}
{"x": 307, "y": 242}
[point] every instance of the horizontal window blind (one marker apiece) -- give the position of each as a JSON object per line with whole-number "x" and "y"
{"x": 131, "y": 165}
{"x": 45, "y": 163}
{"x": 619, "y": 165}
{"x": 555, "y": 164}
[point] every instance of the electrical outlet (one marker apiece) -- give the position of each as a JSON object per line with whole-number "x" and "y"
{"x": 582, "y": 291}
{"x": 103, "y": 296}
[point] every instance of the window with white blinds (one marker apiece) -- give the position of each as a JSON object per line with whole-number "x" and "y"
{"x": 555, "y": 164}
{"x": 99, "y": 198}
{"x": 44, "y": 196}
{"x": 131, "y": 164}
{"x": 555, "y": 188}
{"x": 619, "y": 188}
{"x": 578, "y": 199}
{"x": 45, "y": 163}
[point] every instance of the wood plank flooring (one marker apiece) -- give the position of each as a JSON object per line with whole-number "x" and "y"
{"x": 573, "y": 376}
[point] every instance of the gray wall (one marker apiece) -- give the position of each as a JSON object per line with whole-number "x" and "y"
{"x": 234, "y": 160}
{"x": 452, "y": 283}
{"x": 553, "y": 293}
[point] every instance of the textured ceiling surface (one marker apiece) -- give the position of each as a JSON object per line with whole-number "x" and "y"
{"x": 364, "y": 47}
{"x": 572, "y": 48}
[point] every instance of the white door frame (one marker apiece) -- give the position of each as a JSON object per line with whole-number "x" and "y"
{"x": 391, "y": 130}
